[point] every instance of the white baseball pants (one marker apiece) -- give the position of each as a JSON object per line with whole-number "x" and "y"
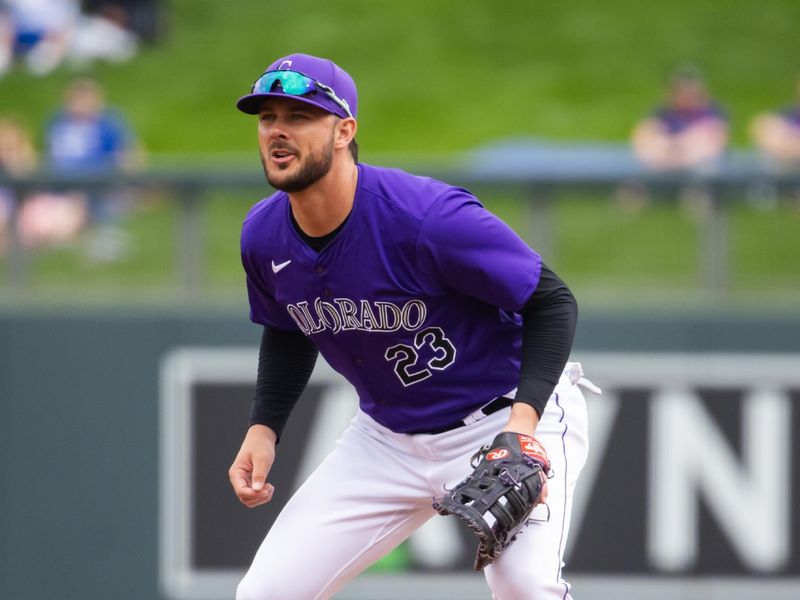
{"x": 376, "y": 488}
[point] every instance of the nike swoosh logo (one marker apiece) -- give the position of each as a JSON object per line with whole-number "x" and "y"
{"x": 276, "y": 268}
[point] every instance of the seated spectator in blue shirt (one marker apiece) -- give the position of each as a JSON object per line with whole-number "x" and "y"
{"x": 777, "y": 136}
{"x": 85, "y": 137}
{"x": 689, "y": 132}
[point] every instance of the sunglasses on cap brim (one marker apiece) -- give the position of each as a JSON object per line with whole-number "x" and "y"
{"x": 293, "y": 83}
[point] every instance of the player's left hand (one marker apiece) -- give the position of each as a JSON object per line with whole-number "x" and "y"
{"x": 496, "y": 499}
{"x": 523, "y": 420}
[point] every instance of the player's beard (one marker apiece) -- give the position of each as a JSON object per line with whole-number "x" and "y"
{"x": 313, "y": 168}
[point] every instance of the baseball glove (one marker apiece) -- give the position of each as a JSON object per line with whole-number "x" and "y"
{"x": 496, "y": 499}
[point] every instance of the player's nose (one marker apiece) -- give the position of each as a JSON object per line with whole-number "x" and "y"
{"x": 276, "y": 132}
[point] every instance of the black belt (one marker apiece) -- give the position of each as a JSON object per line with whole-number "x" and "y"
{"x": 498, "y": 403}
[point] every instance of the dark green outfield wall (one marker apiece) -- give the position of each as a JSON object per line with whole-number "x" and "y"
{"x": 79, "y": 439}
{"x": 79, "y": 431}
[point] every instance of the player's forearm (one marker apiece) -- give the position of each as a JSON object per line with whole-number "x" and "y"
{"x": 523, "y": 419}
{"x": 261, "y": 435}
{"x": 548, "y": 329}
{"x": 286, "y": 360}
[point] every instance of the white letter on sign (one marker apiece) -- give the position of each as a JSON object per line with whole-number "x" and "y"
{"x": 748, "y": 496}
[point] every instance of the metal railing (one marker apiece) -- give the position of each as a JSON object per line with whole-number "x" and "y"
{"x": 190, "y": 187}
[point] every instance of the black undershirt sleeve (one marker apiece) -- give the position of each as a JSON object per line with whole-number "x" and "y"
{"x": 548, "y": 329}
{"x": 285, "y": 362}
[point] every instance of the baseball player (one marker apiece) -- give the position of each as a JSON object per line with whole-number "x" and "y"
{"x": 449, "y": 327}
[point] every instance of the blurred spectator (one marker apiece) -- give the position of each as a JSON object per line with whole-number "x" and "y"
{"x": 688, "y": 132}
{"x": 47, "y": 219}
{"x": 103, "y": 35}
{"x": 777, "y": 136}
{"x": 17, "y": 158}
{"x": 144, "y": 18}
{"x": 42, "y": 218}
{"x": 86, "y": 137}
{"x": 43, "y": 34}
{"x": 37, "y": 32}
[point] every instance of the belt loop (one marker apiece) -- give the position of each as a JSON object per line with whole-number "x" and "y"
{"x": 487, "y": 409}
{"x": 473, "y": 417}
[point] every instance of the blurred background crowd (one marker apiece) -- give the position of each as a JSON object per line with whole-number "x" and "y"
{"x": 690, "y": 130}
{"x": 82, "y": 135}
{"x": 40, "y": 35}
{"x": 96, "y": 87}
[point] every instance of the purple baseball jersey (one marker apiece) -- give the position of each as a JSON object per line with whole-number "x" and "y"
{"x": 791, "y": 114}
{"x": 415, "y": 301}
{"x": 677, "y": 121}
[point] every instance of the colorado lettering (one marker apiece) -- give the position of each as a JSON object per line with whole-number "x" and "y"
{"x": 344, "y": 314}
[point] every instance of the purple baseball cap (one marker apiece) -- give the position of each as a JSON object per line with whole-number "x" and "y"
{"x": 321, "y": 70}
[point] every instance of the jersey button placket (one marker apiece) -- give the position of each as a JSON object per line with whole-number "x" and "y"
{"x": 322, "y": 287}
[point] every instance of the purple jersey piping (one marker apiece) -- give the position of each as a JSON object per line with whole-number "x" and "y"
{"x": 564, "y": 514}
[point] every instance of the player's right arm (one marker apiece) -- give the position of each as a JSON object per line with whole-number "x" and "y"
{"x": 285, "y": 362}
{"x": 248, "y": 473}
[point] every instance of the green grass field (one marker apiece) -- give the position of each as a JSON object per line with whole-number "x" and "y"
{"x": 437, "y": 79}
{"x": 446, "y": 75}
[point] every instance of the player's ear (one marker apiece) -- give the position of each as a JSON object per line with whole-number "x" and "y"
{"x": 345, "y": 132}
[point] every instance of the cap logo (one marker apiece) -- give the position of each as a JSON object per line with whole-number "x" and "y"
{"x": 285, "y": 65}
